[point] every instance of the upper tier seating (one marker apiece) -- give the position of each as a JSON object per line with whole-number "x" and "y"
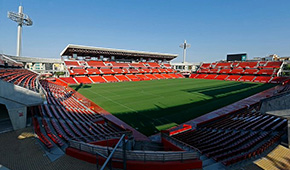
{"x": 205, "y": 65}
{"x": 251, "y": 71}
{"x": 163, "y": 70}
{"x": 214, "y": 70}
{"x": 273, "y": 64}
{"x": 153, "y": 64}
{"x": 267, "y": 71}
{"x": 137, "y": 65}
{"x": 225, "y": 71}
{"x": 124, "y": 65}
{"x": 103, "y": 68}
{"x": 170, "y": 70}
{"x": 72, "y": 64}
{"x": 21, "y": 77}
{"x": 93, "y": 71}
{"x": 255, "y": 71}
{"x": 205, "y": 70}
{"x": 96, "y": 64}
{"x": 223, "y": 65}
{"x": 248, "y": 64}
{"x": 166, "y": 65}
{"x": 117, "y": 70}
{"x": 237, "y": 71}
{"x": 76, "y": 71}
{"x": 106, "y": 71}
{"x": 133, "y": 71}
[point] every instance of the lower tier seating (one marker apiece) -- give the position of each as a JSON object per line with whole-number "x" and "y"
{"x": 235, "y": 137}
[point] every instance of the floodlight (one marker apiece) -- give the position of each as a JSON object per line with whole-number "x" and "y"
{"x": 21, "y": 19}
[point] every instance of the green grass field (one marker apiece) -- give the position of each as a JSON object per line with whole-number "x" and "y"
{"x": 151, "y": 106}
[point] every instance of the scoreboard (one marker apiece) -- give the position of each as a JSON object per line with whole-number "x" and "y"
{"x": 237, "y": 57}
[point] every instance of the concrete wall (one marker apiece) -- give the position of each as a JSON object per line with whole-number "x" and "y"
{"x": 279, "y": 106}
{"x": 16, "y": 100}
{"x": 280, "y": 102}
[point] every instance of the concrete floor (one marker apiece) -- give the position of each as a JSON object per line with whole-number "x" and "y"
{"x": 26, "y": 154}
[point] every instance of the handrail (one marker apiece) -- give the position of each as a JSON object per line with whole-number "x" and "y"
{"x": 136, "y": 155}
{"x": 112, "y": 153}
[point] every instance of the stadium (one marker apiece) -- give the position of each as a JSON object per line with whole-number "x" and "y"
{"x": 109, "y": 108}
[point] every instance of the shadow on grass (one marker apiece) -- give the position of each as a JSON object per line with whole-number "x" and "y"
{"x": 217, "y": 90}
{"x": 147, "y": 121}
{"x": 77, "y": 87}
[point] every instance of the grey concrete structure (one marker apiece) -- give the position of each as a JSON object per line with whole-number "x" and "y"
{"x": 279, "y": 106}
{"x": 17, "y": 99}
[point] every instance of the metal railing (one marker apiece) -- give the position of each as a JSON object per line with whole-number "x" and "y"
{"x": 109, "y": 158}
{"x": 136, "y": 155}
{"x": 179, "y": 143}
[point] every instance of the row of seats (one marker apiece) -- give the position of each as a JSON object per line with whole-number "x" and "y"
{"x": 92, "y": 63}
{"x": 66, "y": 117}
{"x": 245, "y": 78}
{"x": 243, "y": 64}
{"x": 256, "y": 71}
{"x": 118, "y": 78}
{"x": 239, "y": 71}
{"x": 235, "y": 137}
{"x": 20, "y": 77}
{"x": 91, "y": 71}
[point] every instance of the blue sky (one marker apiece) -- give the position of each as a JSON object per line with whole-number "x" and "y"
{"x": 212, "y": 27}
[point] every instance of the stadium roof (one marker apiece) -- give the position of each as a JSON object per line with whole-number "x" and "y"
{"x": 97, "y": 51}
{"x": 34, "y": 60}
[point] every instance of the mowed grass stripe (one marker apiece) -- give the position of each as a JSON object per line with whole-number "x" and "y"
{"x": 150, "y": 106}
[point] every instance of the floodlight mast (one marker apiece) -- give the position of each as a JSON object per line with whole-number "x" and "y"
{"x": 184, "y": 46}
{"x": 21, "y": 19}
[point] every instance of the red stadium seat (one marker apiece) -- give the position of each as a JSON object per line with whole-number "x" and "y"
{"x": 69, "y": 80}
{"x": 83, "y": 79}
{"x": 110, "y": 78}
{"x": 93, "y": 71}
{"x": 98, "y": 79}
{"x": 122, "y": 78}
{"x": 132, "y": 77}
{"x": 247, "y": 78}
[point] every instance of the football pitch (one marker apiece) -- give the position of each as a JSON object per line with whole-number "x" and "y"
{"x": 151, "y": 106}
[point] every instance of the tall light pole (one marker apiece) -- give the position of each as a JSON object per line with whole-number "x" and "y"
{"x": 21, "y": 19}
{"x": 184, "y": 46}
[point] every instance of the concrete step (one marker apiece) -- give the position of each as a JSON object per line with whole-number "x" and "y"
{"x": 203, "y": 157}
{"x": 215, "y": 166}
{"x": 208, "y": 162}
